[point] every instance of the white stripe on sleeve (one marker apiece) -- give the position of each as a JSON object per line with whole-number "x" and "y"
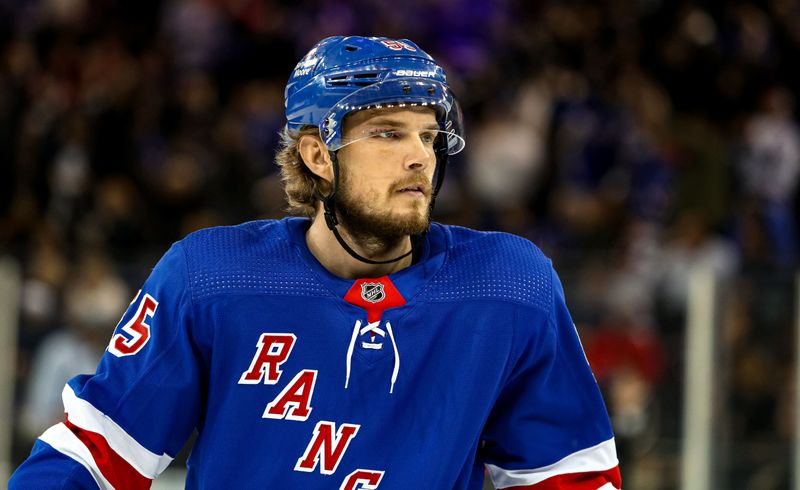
{"x": 86, "y": 416}
{"x": 596, "y": 458}
{"x": 64, "y": 441}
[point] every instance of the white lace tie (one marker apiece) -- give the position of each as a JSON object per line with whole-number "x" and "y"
{"x": 396, "y": 357}
{"x": 372, "y": 327}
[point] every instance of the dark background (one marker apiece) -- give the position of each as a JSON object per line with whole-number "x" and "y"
{"x": 631, "y": 140}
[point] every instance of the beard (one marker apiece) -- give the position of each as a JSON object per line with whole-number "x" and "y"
{"x": 370, "y": 225}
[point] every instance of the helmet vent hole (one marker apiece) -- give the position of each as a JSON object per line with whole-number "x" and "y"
{"x": 351, "y": 48}
{"x": 353, "y": 79}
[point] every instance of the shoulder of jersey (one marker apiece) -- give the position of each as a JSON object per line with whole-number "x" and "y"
{"x": 492, "y": 265}
{"x": 254, "y": 257}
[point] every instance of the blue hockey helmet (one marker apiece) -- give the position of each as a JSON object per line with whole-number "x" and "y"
{"x": 341, "y": 75}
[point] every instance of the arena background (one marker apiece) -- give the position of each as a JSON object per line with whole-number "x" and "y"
{"x": 633, "y": 141}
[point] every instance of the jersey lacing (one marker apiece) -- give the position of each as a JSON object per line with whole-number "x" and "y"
{"x": 372, "y": 327}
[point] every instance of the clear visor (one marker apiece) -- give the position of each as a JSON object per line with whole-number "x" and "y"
{"x": 390, "y": 135}
{"x": 402, "y": 92}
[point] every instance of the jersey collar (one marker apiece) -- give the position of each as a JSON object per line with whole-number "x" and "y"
{"x": 408, "y": 281}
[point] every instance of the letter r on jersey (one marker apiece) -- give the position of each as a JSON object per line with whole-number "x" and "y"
{"x": 326, "y": 449}
{"x": 273, "y": 350}
{"x": 362, "y": 480}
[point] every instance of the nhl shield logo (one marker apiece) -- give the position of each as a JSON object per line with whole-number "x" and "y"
{"x": 372, "y": 292}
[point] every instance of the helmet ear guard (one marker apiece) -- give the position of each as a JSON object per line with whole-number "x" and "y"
{"x": 342, "y": 75}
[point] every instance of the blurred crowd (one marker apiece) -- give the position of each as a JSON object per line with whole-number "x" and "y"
{"x": 632, "y": 140}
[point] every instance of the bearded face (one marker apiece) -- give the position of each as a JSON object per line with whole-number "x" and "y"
{"x": 402, "y": 209}
{"x": 385, "y": 177}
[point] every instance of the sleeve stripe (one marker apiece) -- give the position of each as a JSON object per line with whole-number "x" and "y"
{"x": 117, "y": 471}
{"x": 85, "y": 416}
{"x": 63, "y": 440}
{"x": 601, "y": 458}
{"x": 603, "y": 480}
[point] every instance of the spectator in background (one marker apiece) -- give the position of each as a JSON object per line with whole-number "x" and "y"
{"x": 770, "y": 166}
{"x": 692, "y": 246}
{"x": 628, "y": 359}
{"x": 44, "y": 277}
{"x": 589, "y": 181}
{"x": 505, "y": 163}
{"x": 92, "y": 302}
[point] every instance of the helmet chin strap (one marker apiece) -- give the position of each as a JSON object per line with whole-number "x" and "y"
{"x": 329, "y": 205}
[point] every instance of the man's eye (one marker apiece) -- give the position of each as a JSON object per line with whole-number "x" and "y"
{"x": 428, "y": 138}
{"x": 384, "y": 133}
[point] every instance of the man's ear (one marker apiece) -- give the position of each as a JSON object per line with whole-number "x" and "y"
{"x": 315, "y": 156}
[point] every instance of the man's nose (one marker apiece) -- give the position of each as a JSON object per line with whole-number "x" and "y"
{"x": 419, "y": 154}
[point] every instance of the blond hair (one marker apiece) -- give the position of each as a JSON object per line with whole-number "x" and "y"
{"x": 299, "y": 183}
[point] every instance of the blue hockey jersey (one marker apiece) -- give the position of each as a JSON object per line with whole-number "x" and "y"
{"x": 465, "y": 362}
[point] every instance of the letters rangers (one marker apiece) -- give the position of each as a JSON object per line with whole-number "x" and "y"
{"x": 359, "y": 347}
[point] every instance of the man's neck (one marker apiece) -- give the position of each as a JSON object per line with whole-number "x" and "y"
{"x": 327, "y": 250}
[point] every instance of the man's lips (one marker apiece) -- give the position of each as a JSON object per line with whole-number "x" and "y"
{"x": 415, "y": 189}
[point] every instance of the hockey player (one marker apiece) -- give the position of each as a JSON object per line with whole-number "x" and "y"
{"x": 360, "y": 348}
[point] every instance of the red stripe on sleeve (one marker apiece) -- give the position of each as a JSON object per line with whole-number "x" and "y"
{"x": 117, "y": 471}
{"x": 577, "y": 481}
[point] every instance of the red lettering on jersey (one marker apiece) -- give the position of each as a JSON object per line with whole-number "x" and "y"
{"x": 327, "y": 448}
{"x": 273, "y": 350}
{"x": 293, "y": 403}
{"x": 363, "y": 480}
{"x": 137, "y": 331}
